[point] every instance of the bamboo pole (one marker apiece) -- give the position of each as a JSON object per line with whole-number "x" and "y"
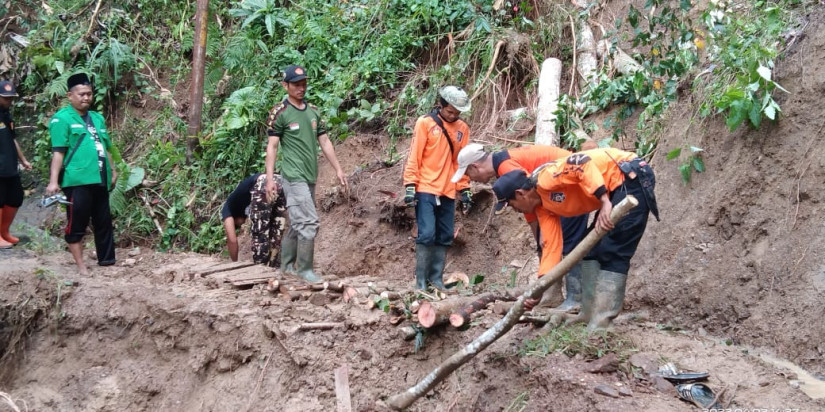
{"x": 404, "y": 399}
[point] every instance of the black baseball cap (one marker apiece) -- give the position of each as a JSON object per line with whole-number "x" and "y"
{"x": 294, "y": 73}
{"x": 7, "y": 89}
{"x": 506, "y": 186}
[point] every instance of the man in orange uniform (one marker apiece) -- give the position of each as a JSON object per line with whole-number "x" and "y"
{"x": 482, "y": 166}
{"x": 593, "y": 180}
{"x": 438, "y": 137}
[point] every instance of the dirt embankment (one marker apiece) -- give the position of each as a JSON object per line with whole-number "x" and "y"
{"x": 737, "y": 252}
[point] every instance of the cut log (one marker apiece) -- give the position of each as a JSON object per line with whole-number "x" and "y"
{"x": 390, "y": 295}
{"x": 342, "y": 395}
{"x": 549, "y": 82}
{"x": 406, "y": 398}
{"x": 462, "y": 315}
{"x": 335, "y": 286}
{"x": 586, "y": 56}
{"x": 371, "y": 301}
{"x": 431, "y": 314}
{"x": 272, "y": 285}
{"x": 349, "y": 294}
{"x": 319, "y": 326}
{"x": 289, "y": 295}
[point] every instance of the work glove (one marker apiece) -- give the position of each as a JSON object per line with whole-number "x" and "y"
{"x": 409, "y": 195}
{"x": 466, "y": 198}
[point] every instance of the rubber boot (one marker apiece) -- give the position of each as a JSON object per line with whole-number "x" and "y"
{"x": 303, "y": 264}
{"x": 573, "y": 288}
{"x": 3, "y": 243}
{"x": 590, "y": 272}
{"x": 437, "y": 259}
{"x": 289, "y": 250}
{"x": 607, "y": 299}
{"x": 423, "y": 254}
{"x": 8, "y": 213}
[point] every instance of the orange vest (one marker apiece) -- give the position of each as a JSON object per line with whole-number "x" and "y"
{"x": 571, "y": 187}
{"x": 432, "y": 163}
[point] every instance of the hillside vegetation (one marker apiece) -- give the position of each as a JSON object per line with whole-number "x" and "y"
{"x": 374, "y": 66}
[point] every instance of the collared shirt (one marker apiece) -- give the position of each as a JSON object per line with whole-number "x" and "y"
{"x": 66, "y": 129}
{"x": 432, "y": 164}
{"x": 571, "y": 187}
{"x": 298, "y": 131}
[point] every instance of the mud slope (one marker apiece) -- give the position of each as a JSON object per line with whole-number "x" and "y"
{"x": 738, "y": 251}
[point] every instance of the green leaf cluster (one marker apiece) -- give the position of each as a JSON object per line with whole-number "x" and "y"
{"x": 742, "y": 48}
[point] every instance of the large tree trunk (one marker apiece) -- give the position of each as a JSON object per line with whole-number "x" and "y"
{"x": 586, "y": 56}
{"x": 549, "y": 81}
{"x": 404, "y": 399}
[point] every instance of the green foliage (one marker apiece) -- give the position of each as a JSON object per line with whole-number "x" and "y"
{"x": 576, "y": 340}
{"x": 667, "y": 33}
{"x": 743, "y": 47}
{"x": 690, "y": 163}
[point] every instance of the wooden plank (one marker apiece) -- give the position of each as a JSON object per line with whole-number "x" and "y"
{"x": 225, "y": 276}
{"x": 221, "y": 267}
{"x": 342, "y": 389}
{"x": 247, "y": 282}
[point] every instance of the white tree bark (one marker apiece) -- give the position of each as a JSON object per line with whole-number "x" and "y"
{"x": 586, "y": 55}
{"x": 549, "y": 81}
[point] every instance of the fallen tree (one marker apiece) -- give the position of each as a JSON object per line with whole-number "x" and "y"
{"x": 404, "y": 399}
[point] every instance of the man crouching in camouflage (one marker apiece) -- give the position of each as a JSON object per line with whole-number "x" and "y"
{"x": 268, "y": 219}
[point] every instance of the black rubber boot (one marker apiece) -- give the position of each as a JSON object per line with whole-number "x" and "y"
{"x": 607, "y": 299}
{"x": 437, "y": 261}
{"x": 423, "y": 254}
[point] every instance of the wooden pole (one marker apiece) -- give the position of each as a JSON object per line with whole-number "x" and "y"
{"x": 404, "y": 399}
{"x": 198, "y": 67}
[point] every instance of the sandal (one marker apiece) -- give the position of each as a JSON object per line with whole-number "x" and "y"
{"x": 699, "y": 394}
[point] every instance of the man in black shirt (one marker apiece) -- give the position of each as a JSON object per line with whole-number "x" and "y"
{"x": 11, "y": 190}
{"x": 249, "y": 200}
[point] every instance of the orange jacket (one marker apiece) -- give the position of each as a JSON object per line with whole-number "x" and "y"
{"x": 431, "y": 163}
{"x": 571, "y": 187}
{"x": 529, "y": 158}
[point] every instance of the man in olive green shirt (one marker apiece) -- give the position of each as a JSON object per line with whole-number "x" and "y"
{"x": 82, "y": 166}
{"x": 299, "y": 130}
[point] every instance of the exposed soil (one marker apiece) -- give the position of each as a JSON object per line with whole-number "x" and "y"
{"x": 734, "y": 271}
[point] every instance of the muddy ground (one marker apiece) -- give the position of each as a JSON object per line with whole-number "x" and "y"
{"x": 732, "y": 276}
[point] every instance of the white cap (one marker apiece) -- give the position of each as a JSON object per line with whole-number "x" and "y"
{"x": 470, "y": 154}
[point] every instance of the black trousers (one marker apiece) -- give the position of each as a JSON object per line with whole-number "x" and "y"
{"x": 11, "y": 191}
{"x": 91, "y": 202}
{"x": 619, "y": 245}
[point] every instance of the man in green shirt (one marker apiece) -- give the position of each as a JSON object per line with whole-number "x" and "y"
{"x": 299, "y": 130}
{"x": 82, "y": 166}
